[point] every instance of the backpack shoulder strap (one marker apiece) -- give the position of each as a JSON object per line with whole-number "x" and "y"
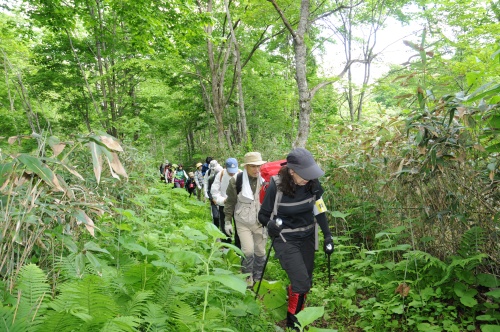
{"x": 239, "y": 182}
{"x": 221, "y": 174}
{"x": 277, "y": 199}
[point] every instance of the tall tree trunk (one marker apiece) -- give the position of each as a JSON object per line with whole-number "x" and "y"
{"x": 217, "y": 74}
{"x": 300, "y": 50}
{"x": 237, "y": 65}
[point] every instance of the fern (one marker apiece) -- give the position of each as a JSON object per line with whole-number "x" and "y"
{"x": 122, "y": 324}
{"x": 423, "y": 260}
{"x": 155, "y": 318}
{"x": 60, "y": 322}
{"x": 7, "y": 322}
{"x": 472, "y": 242}
{"x": 86, "y": 299}
{"x": 183, "y": 312}
{"x": 467, "y": 264}
{"x": 137, "y": 304}
{"x": 165, "y": 292}
{"x": 34, "y": 293}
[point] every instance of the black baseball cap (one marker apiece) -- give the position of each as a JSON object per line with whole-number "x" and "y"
{"x": 302, "y": 162}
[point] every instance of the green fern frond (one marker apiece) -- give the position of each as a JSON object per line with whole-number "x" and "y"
{"x": 66, "y": 266}
{"x": 155, "y": 318}
{"x": 35, "y": 292}
{"x": 472, "y": 242}
{"x": 122, "y": 324}
{"x": 7, "y": 321}
{"x": 425, "y": 260}
{"x": 62, "y": 321}
{"x": 183, "y": 312}
{"x": 141, "y": 276}
{"x": 138, "y": 303}
{"x": 165, "y": 291}
{"x": 466, "y": 264}
{"x": 87, "y": 299}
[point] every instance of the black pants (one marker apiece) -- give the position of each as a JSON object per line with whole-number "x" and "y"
{"x": 215, "y": 214}
{"x": 222, "y": 221}
{"x": 297, "y": 259}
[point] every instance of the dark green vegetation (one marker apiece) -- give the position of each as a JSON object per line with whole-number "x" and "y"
{"x": 97, "y": 93}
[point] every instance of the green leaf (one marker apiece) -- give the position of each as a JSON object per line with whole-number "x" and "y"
{"x": 493, "y": 148}
{"x": 91, "y": 246}
{"x": 70, "y": 244}
{"x": 79, "y": 264}
{"x": 490, "y": 328}
{"x": 230, "y": 281}
{"x": 35, "y": 165}
{"x": 181, "y": 208}
{"x": 488, "y": 280}
{"x": 494, "y": 294}
{"x": 5, "y": 171}
{"x": 95, "y": 151}
{"x": 338, "y": 214}
{"x": 468, "y": 301}
{"x": 309, "y": 315}
{"x": 94, "y": 261}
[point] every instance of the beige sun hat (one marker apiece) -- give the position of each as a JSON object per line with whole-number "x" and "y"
{"x": 198, "y": 165}
{"x": 253, "y": 158}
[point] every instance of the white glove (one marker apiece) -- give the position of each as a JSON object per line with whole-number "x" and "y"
{"x": 199, "y": 187}
{"x": 206, "y": 195}
{"x": 228, "y": 228}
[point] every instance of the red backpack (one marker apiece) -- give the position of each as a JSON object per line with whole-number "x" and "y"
{"x": 268, "y": 170}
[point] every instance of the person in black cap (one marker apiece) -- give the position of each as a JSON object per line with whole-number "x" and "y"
{"x": 294, "y": 235}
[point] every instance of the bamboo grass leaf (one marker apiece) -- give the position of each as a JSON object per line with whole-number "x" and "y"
{"x": 5, "y": 172}
{"x": 95, "y": 151}
{"x": 82, "y": 217}
{"x": 110, "y": 143}
{"x": 35, "y": 165}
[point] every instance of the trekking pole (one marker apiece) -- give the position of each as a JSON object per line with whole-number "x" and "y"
{"x": 329, "y": 247}
{"x": 278, "y": 222}
{"x": 264, "y": 269}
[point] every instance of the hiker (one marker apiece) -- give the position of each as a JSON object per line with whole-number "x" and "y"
{"x": 180, "y": 177}
{"x": 243, "y": 200}
{"x": 190, "y": 184}
{"x": 294, "y": 240}
{"x": 218, "y": 191}
{"x": 213, "y": 207}
{"x": 162, "y": 171}
{"x": 213, "y": 164}
{"x": 169, "y": 173}
{"x": 198, "y": 179}
{"x": 206, "y": 166}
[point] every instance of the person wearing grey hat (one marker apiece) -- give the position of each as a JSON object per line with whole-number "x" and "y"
{"x": 294, "y": 236}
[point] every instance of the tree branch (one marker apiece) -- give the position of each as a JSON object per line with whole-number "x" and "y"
{"x": 328, "y": 13}
{"x": 283, "y": 18}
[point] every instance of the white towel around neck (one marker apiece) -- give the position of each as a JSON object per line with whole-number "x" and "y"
{"x": 246, "y": 190}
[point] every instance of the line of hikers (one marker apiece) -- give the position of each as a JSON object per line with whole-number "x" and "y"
{"x": 289, "y": 214}
{"x": 176, "y": 175}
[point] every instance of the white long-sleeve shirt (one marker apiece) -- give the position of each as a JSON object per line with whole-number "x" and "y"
{"x": 219, "y": 186}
